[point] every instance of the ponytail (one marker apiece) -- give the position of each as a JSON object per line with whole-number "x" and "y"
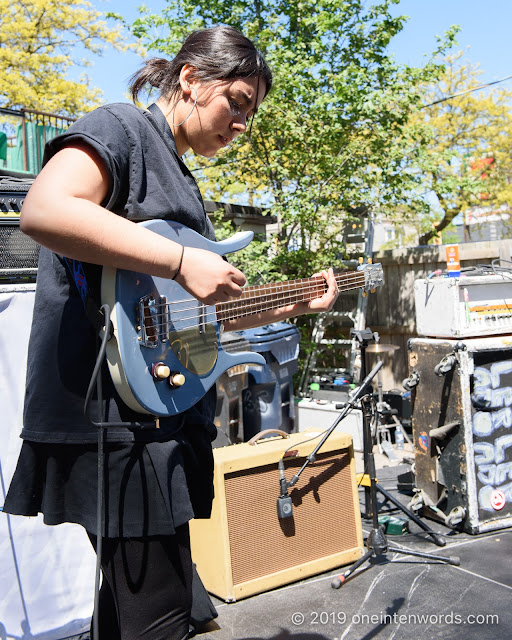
{"x": 153, "y": 72}
{"x": 217, "y": 53}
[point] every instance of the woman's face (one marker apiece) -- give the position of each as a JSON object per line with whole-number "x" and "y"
{"x": 219, "y": 115}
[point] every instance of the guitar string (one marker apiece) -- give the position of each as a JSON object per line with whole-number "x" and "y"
{"x": 260, "y": 293}
{"x": 283, "y": 296}
{"x": 290, "y": 283}
{"x": 234, "y": 306}
{"x": 211, "y": 311}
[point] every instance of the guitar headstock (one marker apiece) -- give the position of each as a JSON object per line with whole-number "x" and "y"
{"x": 373, "y": 275}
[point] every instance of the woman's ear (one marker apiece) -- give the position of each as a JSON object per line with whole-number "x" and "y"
{"x": 186, "y": 78}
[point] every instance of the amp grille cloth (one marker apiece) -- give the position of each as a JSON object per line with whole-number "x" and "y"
{"x": 323, "y": 522}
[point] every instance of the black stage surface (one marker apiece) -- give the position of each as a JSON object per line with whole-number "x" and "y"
{"x": 403, "y": 597}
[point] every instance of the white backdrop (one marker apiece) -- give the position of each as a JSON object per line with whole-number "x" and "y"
{"x": 46, "y": 573}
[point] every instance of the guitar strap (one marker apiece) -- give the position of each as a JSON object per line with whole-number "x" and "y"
{"x": 77, "y": 272}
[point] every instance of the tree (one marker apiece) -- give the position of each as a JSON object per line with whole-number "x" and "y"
{"x": 37, "y": 41}
{"x": 328, "y": 141}
{"x": 467, "y": 161}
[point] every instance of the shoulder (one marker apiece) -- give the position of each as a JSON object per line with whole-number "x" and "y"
{"x": 110, "y": 128}
{"x": 123, "y": 110}
{"x": 115, "y": 114}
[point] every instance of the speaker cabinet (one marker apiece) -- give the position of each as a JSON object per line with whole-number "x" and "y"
{"x": 461, "y": 420}
{"x": 18, "y": 252}
{"x": 244, "y": 548}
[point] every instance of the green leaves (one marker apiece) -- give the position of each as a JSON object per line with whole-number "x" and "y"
{"x": 331, "y": 136}
{"x": 454, "y": 139}
{"x": 37, "y": 44}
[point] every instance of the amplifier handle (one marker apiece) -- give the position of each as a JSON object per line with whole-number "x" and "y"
{"x": 266, "y": 432}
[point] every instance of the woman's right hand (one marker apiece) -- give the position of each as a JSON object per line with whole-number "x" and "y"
{"x": 208, "y": 277}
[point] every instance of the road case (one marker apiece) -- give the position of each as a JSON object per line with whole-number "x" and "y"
{"x": 461, "y": 394}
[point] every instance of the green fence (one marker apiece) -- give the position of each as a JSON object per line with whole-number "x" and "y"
{"x": 23, "y": 135}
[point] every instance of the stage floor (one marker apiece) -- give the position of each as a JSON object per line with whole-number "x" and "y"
{"x": 403, "y": 598}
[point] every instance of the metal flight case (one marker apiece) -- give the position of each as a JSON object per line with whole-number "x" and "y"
{"x": 461, "y": 393}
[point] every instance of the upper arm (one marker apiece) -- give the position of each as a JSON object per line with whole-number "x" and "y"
{"x": 89, "y": 161}
{"x": 76, "y": 171}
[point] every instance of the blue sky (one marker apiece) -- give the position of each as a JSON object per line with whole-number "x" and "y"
{"x": 485, "y": 38}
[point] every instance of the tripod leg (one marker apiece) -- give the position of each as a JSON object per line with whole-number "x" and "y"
{"x": 450, "y": 560}
{"x": 437, "y": 539}
{"x": 339, "y": 580}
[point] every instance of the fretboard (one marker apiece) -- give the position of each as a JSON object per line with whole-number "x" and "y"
{"x": 265, "y": 297}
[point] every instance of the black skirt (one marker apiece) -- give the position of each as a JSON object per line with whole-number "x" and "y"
{"x": 149, "y": 488}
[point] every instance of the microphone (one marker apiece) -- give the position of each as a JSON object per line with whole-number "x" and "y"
{"x": 284, "y": 502}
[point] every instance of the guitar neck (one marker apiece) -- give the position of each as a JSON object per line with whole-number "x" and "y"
{"x": 259, "y": 298}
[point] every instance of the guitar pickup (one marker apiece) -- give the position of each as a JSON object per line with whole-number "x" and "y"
{"x": 153, "y": 317}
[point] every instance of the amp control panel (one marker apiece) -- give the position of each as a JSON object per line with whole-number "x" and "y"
{"x": 12, "y": 194}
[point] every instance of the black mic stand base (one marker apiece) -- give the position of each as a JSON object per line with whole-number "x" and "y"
{"x": 378, "y": 548}
{"x": 376, "y": 542}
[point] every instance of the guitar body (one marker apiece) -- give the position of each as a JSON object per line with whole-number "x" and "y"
{"x": 165, "y": 353}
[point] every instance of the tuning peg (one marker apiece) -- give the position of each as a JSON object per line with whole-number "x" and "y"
{"x": 372, "y": 290}
{"x": 365, "y": 294}
{"x": 361, "y": 260}
{"x": 370, "y": 261}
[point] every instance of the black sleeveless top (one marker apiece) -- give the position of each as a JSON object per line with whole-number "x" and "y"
{"x": 157, "y": 479}
{"x": 148, "y": 180}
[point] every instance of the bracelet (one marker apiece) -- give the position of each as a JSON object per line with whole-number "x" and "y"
{"x": 179, "y": 264}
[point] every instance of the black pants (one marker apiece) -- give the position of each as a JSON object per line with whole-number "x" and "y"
{"x": 146, "y": 591}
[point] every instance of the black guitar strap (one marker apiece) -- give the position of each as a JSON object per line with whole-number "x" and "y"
{"x": 77, "y": 272}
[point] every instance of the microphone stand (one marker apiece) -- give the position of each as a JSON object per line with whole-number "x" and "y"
{"x": 376, "y": 541}
{"x": 284, "y": 508}
{"x": 364, "y": 337}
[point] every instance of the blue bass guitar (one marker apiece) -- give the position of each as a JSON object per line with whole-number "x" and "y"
{"x": 165, "y": 352}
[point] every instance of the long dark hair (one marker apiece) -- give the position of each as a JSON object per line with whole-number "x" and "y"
{"x": 217, "y": 53}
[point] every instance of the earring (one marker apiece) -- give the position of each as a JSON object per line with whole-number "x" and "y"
{"x": 191, "y": 110}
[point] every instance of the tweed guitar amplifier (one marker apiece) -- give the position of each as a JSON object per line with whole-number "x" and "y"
{"x": 244, "y": 548}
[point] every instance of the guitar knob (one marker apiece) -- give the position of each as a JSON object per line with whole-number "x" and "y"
{"x": 160, "y": 371}
{"x": 177, "y": 379}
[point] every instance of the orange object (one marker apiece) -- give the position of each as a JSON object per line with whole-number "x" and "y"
{"x": 452, "y": 260}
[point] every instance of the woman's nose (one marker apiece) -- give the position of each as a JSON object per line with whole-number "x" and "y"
{"x": 239, "y": 124}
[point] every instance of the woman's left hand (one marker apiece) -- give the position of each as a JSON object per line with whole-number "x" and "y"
{"x": 325, "y": 302}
